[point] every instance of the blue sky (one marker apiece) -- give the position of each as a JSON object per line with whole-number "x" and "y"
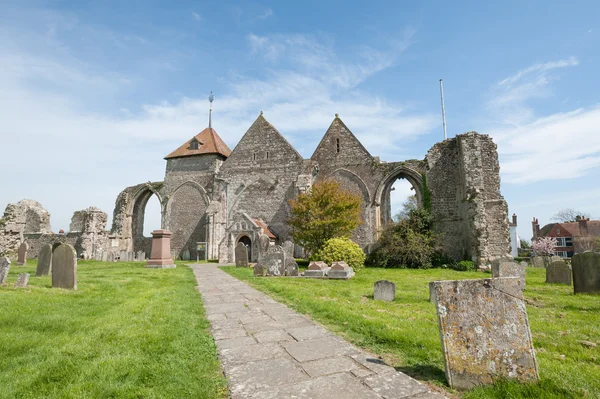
{"x": 95, "y": 94}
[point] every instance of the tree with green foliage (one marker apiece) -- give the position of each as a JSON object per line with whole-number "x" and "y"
{"x": 407, "y": 206}
{"x": 324, "y": 212}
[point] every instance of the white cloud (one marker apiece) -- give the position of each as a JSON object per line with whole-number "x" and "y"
{"x": 196, "y": 16}
{"x": 268, "y": 13}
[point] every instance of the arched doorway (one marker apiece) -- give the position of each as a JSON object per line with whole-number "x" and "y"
{"x": 248, "y": 243}
{"x": 400, "y": 178}
{"x": 141, "y": 241}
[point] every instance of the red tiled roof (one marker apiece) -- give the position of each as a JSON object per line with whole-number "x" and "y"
{"x": 593, "y": 227}
{"x": 210, "y": 143}
{"x": 265, "y": 228}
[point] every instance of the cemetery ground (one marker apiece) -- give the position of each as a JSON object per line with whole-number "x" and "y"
{"x": 565, "y": 327}
{"x": 127, "y": 332}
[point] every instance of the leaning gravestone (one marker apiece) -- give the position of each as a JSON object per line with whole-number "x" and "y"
{"x": 484, "y": 331}
{"x": 4, "y": 268}
{"x": 186, "y": 254}
{"x": 22, "y": 280}
{"x": 274, "y": 261}
{"x": 241, "y": 255}
{"x": 558, "y": 273}
{"x": 384, "y": 291}
{"x": 64, "y": 267}
{"x": 317, "y": 269}
{"x": 22, "y": 254}
{"x": 586, "y": 273}
{"x": 44, "y": 261}
{"x": 340, "y": 271}
{"x": 508, "y": 268}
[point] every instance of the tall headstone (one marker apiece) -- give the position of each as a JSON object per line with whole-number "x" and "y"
{"x": 384, "y": 291}
{"x": 4, "y": 268}
{"x": 586, "y": 272}
{"x": 160, "y": 257}
{"x": 22, "y": 254}
{"x": 64, "y": 267}
{"x": 288, "y": 247}
{"x": 558, "y": 273}
{"x": 508, "y": 268}
{"x": 44, "y": 261}
{"x": 241, "y": 255}
{"x": 484, "y": 331}
{"x": 274, "y": 261}
{"x": 263, "y": 246}
{"x": 22, "y": 280}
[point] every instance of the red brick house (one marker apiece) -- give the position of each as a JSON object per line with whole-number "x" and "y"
{"x": 571, "y": 237}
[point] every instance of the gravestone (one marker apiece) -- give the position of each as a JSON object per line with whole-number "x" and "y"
{"x": 484, "y": 331}
{"x": 508, "y": 268}
{"x": 140, "y": 256}
{"x": 111, "y": 257}
{"x": 263, "y": 246}
{"x": 288, "y": 247}
{"x": 538, "y": 261}
{"x": 523, "y": 264}
{"x": 64, "y": 267}
{"x": 340, "y": 271}
{"x": 22, "y": 280}
{"x": 105, "y": 256}
{"x": 259, "y": 270}
{"x": 130, "y": 256}
{"x": 317, "y": 269}
{"x": 22, "y": 254}
{"x": 291, "y": 267}
{"x": 241, "y": 255}
{"x": 274, "y": 261}
{"x": 4, "y": 268}
{"x": 123, "y": 256}
{"x": 186, "y": 254}
{"x": 586, "y": 273}
{"x": 555, "y": 258}
{"x": 384, "y": 291}
{"x": 558, "y": 273}
{"x": 44, "y": 261}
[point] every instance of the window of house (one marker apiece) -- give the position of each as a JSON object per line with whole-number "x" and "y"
{"x": 568, "y": 241}
{"x": 562, "y": 254}
{"x": 560, "y": 241}
{"x": 337, "y": 145}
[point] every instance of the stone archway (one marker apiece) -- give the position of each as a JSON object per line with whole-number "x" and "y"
{"x": 248, "y": 243}
{"x": 382, "y": 195}
{"x": 138, "y": 241}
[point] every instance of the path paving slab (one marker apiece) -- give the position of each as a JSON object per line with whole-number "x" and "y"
{"x": 269, "y": 351}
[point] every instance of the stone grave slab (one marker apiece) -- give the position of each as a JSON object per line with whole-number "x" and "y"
{"x": 559, "y": 273}
{"x": 586, "y": 273}
{"x": 317, "y": 269}
{"x": 384, "y": 291}
{"x": 22, "y": 254}
{"x": 4, "y": 268}
{"x": 64, "y": 267}
{"x": 340, "y": 271}
{"x": 484, "y": 331}
{"x": 22, "y": 280}
{"x": 241, "y": 255}
{"x": 274, "y": 261}
{"x": 44, "y": 261}
{"x": 508, "y": 268}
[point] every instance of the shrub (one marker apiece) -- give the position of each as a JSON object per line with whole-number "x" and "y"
{"x": 342, "y": 249}
{"x": 463, "y": 266}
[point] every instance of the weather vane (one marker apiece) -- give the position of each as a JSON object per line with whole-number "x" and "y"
{"x": 211, "y": 98}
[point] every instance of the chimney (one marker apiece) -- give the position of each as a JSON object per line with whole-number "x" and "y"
{"x": 514, "y": 217}
{"x": 583, "y": 227}
{"x": 536, "y": 228}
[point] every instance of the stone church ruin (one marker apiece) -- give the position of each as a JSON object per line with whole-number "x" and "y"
{"x": 222, "y": 197}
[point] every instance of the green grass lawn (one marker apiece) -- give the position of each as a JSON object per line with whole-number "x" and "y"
{"x": 127, "y": 332}
{"x": 405, "y": 333}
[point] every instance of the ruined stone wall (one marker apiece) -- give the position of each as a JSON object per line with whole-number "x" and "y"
{"x": 24, "y": 217}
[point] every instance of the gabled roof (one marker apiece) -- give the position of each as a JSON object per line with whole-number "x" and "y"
{"x": 593, "y": 228}
{"x": 327, "y": 145}
{"x": 265, "y": 228}
{"x": 210, "y": 143}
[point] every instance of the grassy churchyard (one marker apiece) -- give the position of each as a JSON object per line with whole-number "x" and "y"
{"x": 405, "y": 333}
{"x": 127, "y": 332}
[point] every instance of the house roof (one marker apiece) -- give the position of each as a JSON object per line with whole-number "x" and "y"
{"x": 593, "y": 227}
{"x": 265, "y": 228}
{"x": 210, "y": 143}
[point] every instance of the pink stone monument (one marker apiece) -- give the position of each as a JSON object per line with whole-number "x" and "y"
{"x": 160, "y": 256}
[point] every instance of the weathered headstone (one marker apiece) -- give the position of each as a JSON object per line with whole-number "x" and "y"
{"x": 555, "y": 258}
{"x": 291, "y": 266}
{"x": 105, "y": 256}
{"x": 160, "y": 257}
{"x": 64, "y": 267}
{"x": 111, "y": 257}
{"x": 44, "y": 261}
{"x": 340, "y": 271}
{"x": 22, "y": 254}
{"x": 22, "y": 280}
{"x": 263, "y": 246}
{"x": 508, "y": 268}
{"x": 558, "y": 273}
{"x": 484, "y": 331}
{"x": 586, "y": 272}
{"x": 123, "y": 256}
{"x": 241, "y": 255}
{"x": 523, "y": 264}
{"x": 4, "y": 268}
{"x": 140, "y": 256}
{"x": 384, "y": 290}
{"x": 538, "y": 261}
{"x": 288, "y": 247}
{"x": 186, "y": 254}
{"x": 259, "y": 270}
{"x": 317, "y": 269}
{"x": 130, "y": 256}
{"x": 274, "y": 261}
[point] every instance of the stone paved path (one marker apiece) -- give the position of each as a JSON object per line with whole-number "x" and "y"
{"x": 269, "y": 351}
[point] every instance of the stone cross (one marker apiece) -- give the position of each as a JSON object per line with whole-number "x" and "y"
{"x": 64, "y": 267}
{"x": 44, "y": 261}
{"x": 558, "y": 273}
{"x": 4, "y": 268}
{"x": 484, "y": 331}
{"x": 22, "y": 257}
{"x": 22, "y": 280}
{"x": 384, "y": 291}
{"x": 586, "y": 272}
{"x": 241, "y": 255}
